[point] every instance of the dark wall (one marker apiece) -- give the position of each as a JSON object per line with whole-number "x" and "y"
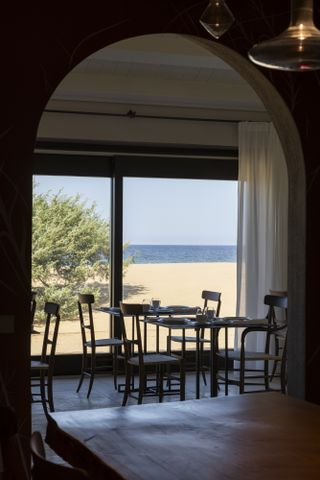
{"x": 37, "y": 50}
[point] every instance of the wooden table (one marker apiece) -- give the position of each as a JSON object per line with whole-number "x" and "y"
{"x": 214, "y": 326}
{"x": 151, "y": 313}
{"x": 259, "y": 436}
{"x": 155, "y": 318}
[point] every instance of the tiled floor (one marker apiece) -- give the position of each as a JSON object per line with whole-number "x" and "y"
{"x": 103, "y": 395}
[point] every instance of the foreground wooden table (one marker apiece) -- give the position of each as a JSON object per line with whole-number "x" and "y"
{"x": 254, "y": 436}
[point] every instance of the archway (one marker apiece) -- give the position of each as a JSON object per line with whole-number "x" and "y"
{"x": 289, "y": 138}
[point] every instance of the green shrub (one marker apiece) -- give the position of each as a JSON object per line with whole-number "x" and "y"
{"x": 70, "y": 245}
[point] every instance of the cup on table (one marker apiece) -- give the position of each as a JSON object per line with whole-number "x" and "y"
{"x": 155, "y": 303}
{"x": 211, "y": 314}
{"x": 200, "y": 317}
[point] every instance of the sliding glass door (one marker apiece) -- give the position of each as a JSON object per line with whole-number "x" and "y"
{"x": 130, "y": 226}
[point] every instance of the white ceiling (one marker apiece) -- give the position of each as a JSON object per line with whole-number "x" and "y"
{"x": 163, "y": 70}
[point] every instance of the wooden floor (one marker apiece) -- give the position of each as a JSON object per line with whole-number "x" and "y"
{"x": 103, "y": 395}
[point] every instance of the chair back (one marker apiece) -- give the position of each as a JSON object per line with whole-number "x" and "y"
{"x": 276, "y": 302}
{"x": 209, "y": 296}
{"x": 85, "y": 302}
{"x": 133, "y": 336}
{"x": 33, "y": 307}
{"x": 45, "y": 469}
{"x": 50, "y": 337}
{"x": 277, "y": 328}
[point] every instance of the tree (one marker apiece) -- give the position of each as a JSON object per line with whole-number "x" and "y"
{"x": 70, "y": 245}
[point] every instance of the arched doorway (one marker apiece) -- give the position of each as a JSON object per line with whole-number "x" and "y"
{"x": 282, "y": 119}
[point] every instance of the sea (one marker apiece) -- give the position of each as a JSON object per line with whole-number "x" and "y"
{"x": 181, "y": 253}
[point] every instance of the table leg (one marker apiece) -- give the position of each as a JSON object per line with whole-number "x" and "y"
{"x": 226, "y": 370}
{"x": 213, "y": 364}
{"x": 198, "y": 363}
{"x": 157, "y": 339}
{"x": 145, "y": 343}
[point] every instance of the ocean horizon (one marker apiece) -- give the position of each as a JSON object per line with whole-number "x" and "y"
{"x": 181, "y": 253}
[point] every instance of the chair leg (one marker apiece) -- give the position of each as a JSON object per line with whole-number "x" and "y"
{"x": 242, "y": 369}
{"x": 274, "y": 370}
{"x": 182, "y": 381}
{"x": 275, "y": 364}
{"x": 43, "y": 392}
{"x": 283, "y": 371}
{"x": 160, "y": 383}
{"x": 115, "y": 367}
{"x": 283, "y": 379}
{"x": 169, "y": 353}
{"x": 92, "y": 372}
{"x": 266, "y": 374}
{"x": 83, "y": 367}
{"x": 127, "y": 384}
{"x": 142, "y": 381}
{"x": 50, "y": 392}
{"x": 203, "y": 373}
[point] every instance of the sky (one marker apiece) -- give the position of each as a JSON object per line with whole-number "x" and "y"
{"x": 161, "y": 211}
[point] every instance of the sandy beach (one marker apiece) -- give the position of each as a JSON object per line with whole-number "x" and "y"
{"x": 172, "y": 283}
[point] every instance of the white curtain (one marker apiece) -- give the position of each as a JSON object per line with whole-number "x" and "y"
{"x": 262, "y": 222}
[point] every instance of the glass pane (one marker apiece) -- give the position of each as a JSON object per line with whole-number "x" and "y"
{"x": 181, "y": 239}
{"x": 70, "y": 252}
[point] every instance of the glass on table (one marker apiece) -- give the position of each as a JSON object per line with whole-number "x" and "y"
{"x": 155, "y": 303}
{"x": 200, "y": 316}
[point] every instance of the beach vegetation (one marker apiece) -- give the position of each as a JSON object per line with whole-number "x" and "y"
{"x": 70, "y": 248}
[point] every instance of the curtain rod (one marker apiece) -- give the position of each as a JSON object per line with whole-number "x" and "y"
{"x": 132, "y": 114}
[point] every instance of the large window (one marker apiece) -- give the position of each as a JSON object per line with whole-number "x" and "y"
{"x": 131, "y": 226}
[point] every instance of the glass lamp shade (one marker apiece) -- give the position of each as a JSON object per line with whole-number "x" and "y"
{"x": 297, "y": 48}
{"x": 217, "y": 18}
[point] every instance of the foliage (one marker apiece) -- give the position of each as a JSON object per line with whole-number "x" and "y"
{"x": 70, "y": 245}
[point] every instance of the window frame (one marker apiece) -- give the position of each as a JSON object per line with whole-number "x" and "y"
{"x": 67, "y": 158}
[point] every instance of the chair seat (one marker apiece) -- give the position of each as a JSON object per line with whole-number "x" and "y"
{"x": 253, "y": 356}
{"x": 154, "y": 359}
{"x": 188, "y": 339}
{"x": 35, "y": 364}
{"x": 105, "y": 342}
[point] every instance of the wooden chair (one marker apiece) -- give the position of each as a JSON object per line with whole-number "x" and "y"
{"x": 43, "y": 469}
{"x": 12, "y": 461}
{"x": 212, "y": 303}
{"x": 154, "y": 364}
{"x": 45, "y": 366}
{"x": 89, "y": 342}
{"x": 275, "y": 332}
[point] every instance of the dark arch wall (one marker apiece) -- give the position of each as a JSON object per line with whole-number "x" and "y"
{"x": 38, "y": 48}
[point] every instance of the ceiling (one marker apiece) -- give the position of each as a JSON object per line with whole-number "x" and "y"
{"x": 162, "y": 71}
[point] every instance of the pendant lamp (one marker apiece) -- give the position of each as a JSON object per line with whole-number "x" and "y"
{"x": 297, "y": 48}
{"x": 217, "y": 18}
